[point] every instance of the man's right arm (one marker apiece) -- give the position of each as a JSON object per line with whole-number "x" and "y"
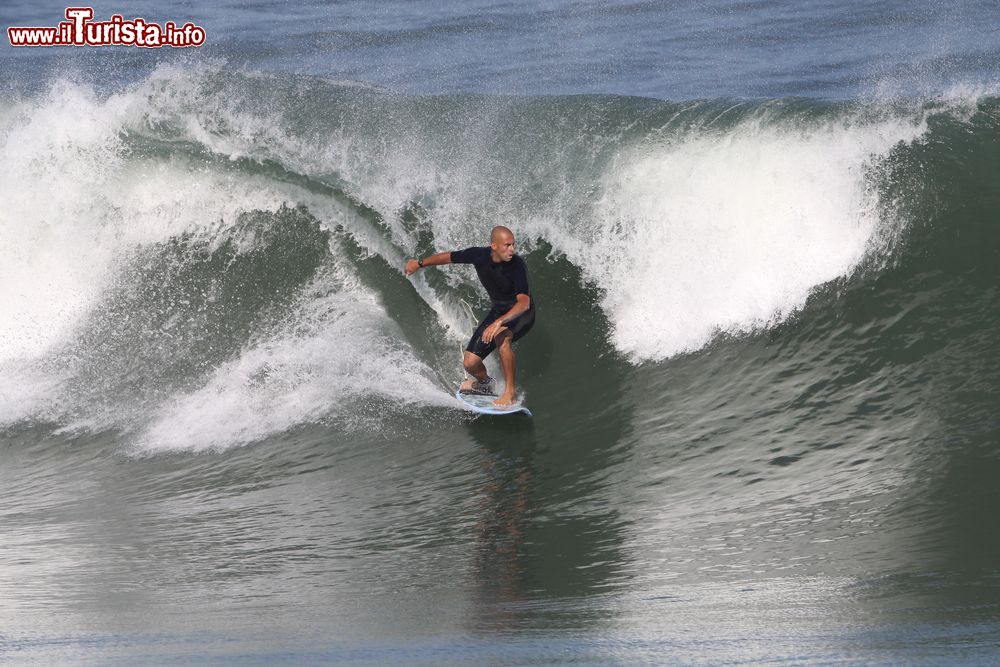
{"x": 434, "y": 260}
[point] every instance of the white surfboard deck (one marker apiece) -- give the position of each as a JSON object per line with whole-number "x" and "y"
{"x": 483, "y": 404}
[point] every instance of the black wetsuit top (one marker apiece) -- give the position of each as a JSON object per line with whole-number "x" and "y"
{"x": 503, "y": 282}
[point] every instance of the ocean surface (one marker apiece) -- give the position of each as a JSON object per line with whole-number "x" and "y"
{"x": 764, "y": 241}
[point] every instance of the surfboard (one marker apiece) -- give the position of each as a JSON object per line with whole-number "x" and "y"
{"x": 483, "y": 404}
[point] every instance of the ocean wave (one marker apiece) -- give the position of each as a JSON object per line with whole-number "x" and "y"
{"x": 131, "y": 218}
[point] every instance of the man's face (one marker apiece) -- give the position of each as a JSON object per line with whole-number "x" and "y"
{"x": 503, "y": 246}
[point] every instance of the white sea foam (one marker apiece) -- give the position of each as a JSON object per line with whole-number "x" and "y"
{"x": 74, "y": 202}
{"x": 338, "y": 352}
{"x": 58, "y": 157}
{"x": 731, "y": 231}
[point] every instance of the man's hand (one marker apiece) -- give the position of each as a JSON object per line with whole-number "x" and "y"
{"x": 491, "y": 331}
{"x": 411, "y": 267}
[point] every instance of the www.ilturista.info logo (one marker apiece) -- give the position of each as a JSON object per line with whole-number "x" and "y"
{"x": 79, "y": 30}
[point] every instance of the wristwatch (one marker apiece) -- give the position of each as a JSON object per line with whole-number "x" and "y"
{"x": 420, "y": 263}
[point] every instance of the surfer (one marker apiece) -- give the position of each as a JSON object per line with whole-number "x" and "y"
{"x": 505, "y": 278}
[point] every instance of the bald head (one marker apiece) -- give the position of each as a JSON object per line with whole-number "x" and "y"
{"x": 502, "y": 244}
{"x": 499, "y": 234}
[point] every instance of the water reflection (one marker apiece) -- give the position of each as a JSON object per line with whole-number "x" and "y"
{"x": 546, "y": 533}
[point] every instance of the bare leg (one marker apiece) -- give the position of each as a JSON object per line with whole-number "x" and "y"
{"x": 473, "y": 366}
{"x": 506, "y": 350}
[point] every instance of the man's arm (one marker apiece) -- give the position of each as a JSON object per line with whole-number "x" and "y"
{"x": 522, "y": 306}
{"x": 434, "y": 260}
{"x": 499, "y": 324}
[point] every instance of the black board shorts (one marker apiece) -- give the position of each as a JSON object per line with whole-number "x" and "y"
{"x": 518, "y": 326}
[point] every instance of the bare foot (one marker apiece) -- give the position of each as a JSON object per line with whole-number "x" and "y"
{"x": 506, "y": 400}
{"x": 474, "y": 386}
